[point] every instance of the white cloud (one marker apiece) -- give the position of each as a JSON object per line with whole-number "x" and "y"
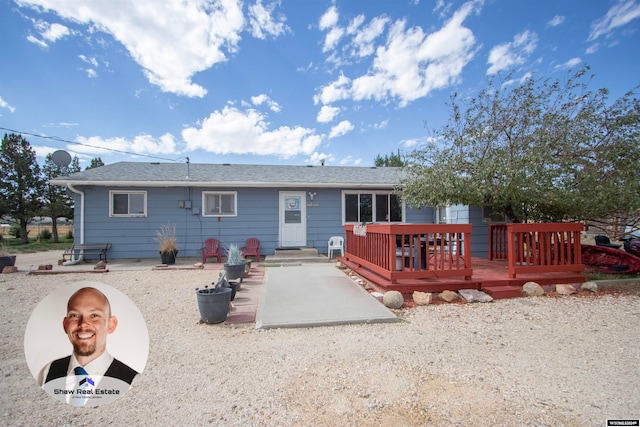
{"x": 332, "y": 38}
{"x": 342, "y": 128}
{"x": 623, "y": 12}
{"x": 442, "y": 7}
{"x": 355, "y": 23}
{"x": 263, "y": 23}
{"x": 350, "y": 160}
{"x": 264, "y": 99}
{"x": 327, "y": 114}
{"x": 329, "y": 18}
{"x": 89, "y": 60}
{"x": 526, "y": 76}
{"x": 382, "y": 125}
{"x": 91, "y": 72}
{"x": 570, "y": 63}
{"x": 141, "y": 144}
{"x": 506, "y": 56}
{"x": 37, "y": 41}
{"x": 171, "y": 40}
{"x": 410, "y": 143}
{"x": 4, "y": 104}
{"x": 410, "y": 65}
{"x": 592, "y": 49}
{"x": 55, "y": 32}
{"x": 329, "y": 21}
{"x": 335, "y": 91}
{"x": 363, "y": 41}
{"x": 48, "y": 32}
{"x": 247, "y": 132}
{"x": 555, "y": 21}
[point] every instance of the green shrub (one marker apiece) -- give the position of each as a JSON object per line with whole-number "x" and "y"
{"x": 15, "y": 231}
{"x": 45, "y": 234}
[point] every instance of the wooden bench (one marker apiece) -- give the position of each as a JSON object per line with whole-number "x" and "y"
{"x": 78, "y": 249}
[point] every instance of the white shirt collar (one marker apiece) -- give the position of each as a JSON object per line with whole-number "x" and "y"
{"x": 96, "y": 367}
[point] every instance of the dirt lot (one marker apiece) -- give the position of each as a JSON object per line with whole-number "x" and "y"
{"x": 543, "y": 361}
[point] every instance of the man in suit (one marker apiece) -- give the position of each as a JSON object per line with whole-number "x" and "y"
{"x": 87, "y": 324}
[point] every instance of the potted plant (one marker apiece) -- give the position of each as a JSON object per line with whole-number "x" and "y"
{"x": 6, "y": 260}
{"x": 167, "y": 244}
{"x": 213, "y": 303}
{"x": 247, "y": 266}
{"x": 234, "y": 267}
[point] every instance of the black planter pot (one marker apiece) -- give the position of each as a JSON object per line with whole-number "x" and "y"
{"x": 214, "y": 304}
{"x": 234, "y": 272}
{"x": 7, "y": 261}
{"x": 168, "y": 258}
{"x": 234, "y": 288}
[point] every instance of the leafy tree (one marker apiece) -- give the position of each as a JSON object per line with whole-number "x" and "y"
{"x": 57, "y": 203}
{"x": 96, "y": 162}
{"x": 544, "y": 150}
{"x": 392, "y": 159}
{"x": 21, "y": 184}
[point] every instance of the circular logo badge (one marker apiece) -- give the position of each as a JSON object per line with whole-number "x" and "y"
{"x": 86, "y": 343}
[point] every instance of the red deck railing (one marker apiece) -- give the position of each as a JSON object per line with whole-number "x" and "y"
{"x": 498, "y": 241}
{"x": 411, "y": 251}
{"x": 537, "y": 248}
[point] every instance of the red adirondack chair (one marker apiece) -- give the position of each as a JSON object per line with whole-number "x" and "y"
{"x": 211, "y": 249}
{"x": 251, "y": 248}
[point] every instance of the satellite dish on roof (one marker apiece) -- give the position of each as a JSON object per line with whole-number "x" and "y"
{"x": 61, "y": 158}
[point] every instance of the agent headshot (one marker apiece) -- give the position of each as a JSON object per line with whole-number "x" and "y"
{"x": 87, "y": 324}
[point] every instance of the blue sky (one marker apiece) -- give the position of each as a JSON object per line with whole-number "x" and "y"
{"x": 283, "y": 82}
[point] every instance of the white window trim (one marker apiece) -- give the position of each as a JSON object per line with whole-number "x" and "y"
{"x": 128, "y": 215}
{"x": 210, "y": 193}
{"x": 373, "y": 193}
{"x": 447, "y": 212}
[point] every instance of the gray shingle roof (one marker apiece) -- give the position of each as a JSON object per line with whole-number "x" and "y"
{"x": 198, "y": 174}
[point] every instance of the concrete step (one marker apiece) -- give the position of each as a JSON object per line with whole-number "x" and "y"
{"x": 298, "y": 255}
{"x": 296, "y": 252}
{"x": 501, "y": 292}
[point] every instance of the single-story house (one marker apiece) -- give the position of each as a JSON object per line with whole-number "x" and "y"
{"x": 126, "y": 203}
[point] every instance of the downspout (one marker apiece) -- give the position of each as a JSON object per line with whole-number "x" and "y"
{"x": 81, "y": 257}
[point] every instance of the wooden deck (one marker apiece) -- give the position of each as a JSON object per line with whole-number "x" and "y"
{"x": 437, "y": 257}
{"x": 489, "y": 276}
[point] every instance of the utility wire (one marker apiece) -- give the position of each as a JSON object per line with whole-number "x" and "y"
{"x": 55, "y": 138}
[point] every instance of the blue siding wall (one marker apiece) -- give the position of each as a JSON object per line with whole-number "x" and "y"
{"x": 462, "y": 214}
{"x": 258, "y": 216}
{"x": 420, "y": 216}
{"x": 480, "y": 247}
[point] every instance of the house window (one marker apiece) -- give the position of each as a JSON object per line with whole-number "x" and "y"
{"x": 128, "y": 203}
{"x": 489, "y": 216}
{"x": 372, "y": 207}
{"x": 442, "y": 215}
{"x": 222, "y": 203}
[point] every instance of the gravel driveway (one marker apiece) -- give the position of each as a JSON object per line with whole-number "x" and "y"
{"x": 572, "y": 361}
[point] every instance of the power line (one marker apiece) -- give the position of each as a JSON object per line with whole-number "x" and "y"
{"x": 55, "y": 138}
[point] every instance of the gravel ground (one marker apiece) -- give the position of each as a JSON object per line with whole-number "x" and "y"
{"x": 572, "y": 361}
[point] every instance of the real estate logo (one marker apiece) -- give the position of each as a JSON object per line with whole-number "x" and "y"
{"x": 59, "y": 338}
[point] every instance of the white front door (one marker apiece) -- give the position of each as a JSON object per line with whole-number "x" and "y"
{"x": 293, "y": 219}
